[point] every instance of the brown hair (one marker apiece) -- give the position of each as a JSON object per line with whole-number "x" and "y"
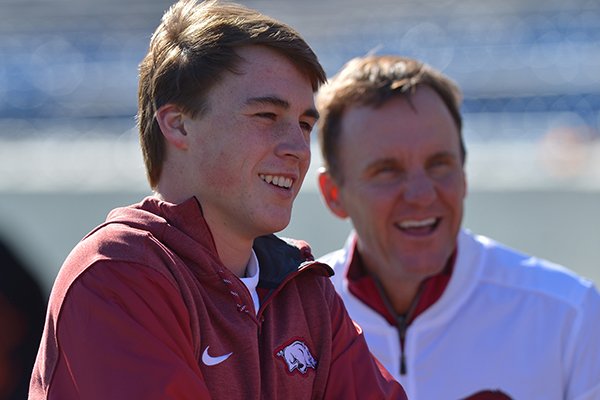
{"x": 189, "y": 52}
{"x": 371, "y": 81}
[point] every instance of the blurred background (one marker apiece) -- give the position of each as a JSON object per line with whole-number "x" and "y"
{"x": 530, "y": 71}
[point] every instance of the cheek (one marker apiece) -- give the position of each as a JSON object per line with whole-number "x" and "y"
{"x": 225, "y": 168}
{"x": 461, "y": 193}
{"x": 370, "y": 204}
{"x": 305, "y": 165}
{"x": 453, "y": 189}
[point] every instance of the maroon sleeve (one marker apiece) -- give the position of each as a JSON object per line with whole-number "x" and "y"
{"x": 355, "y": 373}
{"x": 122, "y": 332}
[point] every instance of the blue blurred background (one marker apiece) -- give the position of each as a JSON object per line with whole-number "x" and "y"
{"x": 530, "y": 71}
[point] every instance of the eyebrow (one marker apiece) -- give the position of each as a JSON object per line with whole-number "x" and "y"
{"x": 279, "y": 102}
{"x": 445, "y": 154}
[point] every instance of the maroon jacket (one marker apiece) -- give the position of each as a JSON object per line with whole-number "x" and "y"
{"x": 144, "y": 309}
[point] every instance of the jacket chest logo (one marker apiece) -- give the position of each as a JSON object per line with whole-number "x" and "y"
{"x": 297, "y": 356}
{"x": 209, "y": 360}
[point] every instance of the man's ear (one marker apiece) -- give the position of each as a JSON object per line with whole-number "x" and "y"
{"x": 330, "y": 191}
{"x": 171, "y": 122}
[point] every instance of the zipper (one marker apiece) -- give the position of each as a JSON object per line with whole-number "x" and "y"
{"x": 402, "y": 320}
{"x": 402, "y": 325}
{"x": 305, "y": 266}
{"x": 266, "y": 299}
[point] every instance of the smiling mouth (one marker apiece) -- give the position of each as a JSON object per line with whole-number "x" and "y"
{"x": 423, "y": 226}
{"x": 279, "y": 181}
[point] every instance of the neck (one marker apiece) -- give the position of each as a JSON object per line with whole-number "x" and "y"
{"x": 234, "y": 249}
{"x": 235, "y": 257}
{"x": 400, "y": 293}
{"x": 398, "y": 288}
{"x": 166, "y": 191}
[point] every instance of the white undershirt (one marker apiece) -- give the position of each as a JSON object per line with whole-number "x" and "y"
{"x": 251, "y": 279}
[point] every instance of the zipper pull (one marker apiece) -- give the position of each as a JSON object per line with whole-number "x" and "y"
{"x": 401, "y": 323}
{"x": 402, "y": 364}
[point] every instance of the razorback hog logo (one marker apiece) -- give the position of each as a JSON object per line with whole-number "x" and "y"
{"x": 297, "y": 356}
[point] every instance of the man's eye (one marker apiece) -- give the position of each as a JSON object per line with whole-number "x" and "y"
{"x": 441, "y": 163}
{"x": 306, "y": 126}
{"x": 438, "y": 164}
{"x": 267, "y": 115}
{"x": 386, "y": 169}
{"x": 386, "y": 172}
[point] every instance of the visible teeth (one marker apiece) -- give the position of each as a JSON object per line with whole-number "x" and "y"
{"x": 280, "y": 181}
{"x": 417, "y": 224}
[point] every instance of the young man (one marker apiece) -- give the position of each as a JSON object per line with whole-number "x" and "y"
{"x": 188, "y": 295}
{"x": 450, "y": 314}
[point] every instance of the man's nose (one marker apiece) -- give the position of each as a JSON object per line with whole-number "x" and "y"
{"x": 419, "y": 189}
{"x": 295, "y": 142}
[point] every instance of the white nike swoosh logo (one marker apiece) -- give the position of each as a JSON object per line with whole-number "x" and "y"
{"x": 210, "y": 361}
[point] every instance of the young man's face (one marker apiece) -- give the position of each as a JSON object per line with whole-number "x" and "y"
{"x": 250, "y": 150}
{"x": 403, "y": 184}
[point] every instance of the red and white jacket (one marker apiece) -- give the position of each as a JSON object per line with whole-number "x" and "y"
{"x": 504, "y": 323}
{"x": 144, "y": 309}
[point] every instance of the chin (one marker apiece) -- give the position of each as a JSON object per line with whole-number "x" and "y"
{"x": 275, "y": 226}
{"x": 423, "y": 266}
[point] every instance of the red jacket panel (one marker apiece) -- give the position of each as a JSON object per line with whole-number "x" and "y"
{"x": 144, "y": 309}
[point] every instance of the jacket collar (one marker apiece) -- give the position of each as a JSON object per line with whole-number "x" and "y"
{"x": 279, "y": 258}
{"x": 363, "y": 286}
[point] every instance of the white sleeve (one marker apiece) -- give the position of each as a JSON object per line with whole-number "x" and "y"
{"x": 583, "y": 380}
